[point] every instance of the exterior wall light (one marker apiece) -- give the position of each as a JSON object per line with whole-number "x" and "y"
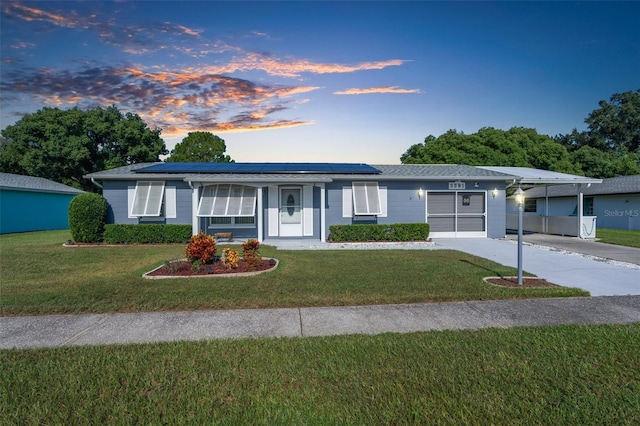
{"x": 494, "y": 193}
{"x": 420, "y": 193}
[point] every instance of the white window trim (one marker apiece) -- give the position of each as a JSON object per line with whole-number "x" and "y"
{"x": 273, "y": 212}
{"x": 170, "y": 202}
{"x": 167, "y": 211}
{"x": 210, "y": 197}
{"x": 307, "y": 210}
{"x": 369, "y": 195}
{"x": 348, "y": 209}
{"x": 152, "y": 207}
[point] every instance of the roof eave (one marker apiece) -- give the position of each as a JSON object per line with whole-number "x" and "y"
{"x": 254, "y": 180}
{"x": 558, "y": 181}
{"x": 48, "y": 191}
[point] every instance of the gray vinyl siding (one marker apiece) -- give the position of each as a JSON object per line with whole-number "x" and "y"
{"x": 617, "y": 211}
{"x": 404, "y": 206}
{"x": 183, "y": 203}
{"x": 116, "y": 194}
{"x": 496, "y": 211}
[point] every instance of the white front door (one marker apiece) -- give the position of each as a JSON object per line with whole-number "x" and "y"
{"x": 290, "y": 212}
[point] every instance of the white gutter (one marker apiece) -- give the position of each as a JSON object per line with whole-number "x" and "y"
{"x": 93, "y": 181}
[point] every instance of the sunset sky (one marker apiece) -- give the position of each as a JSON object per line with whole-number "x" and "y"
{"x": 321, "y": 81}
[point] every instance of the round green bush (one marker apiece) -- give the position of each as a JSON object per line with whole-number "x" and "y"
{"x": 87, "y": 217}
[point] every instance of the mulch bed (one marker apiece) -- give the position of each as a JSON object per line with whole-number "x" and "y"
{"x": 529, "y": 282}
{"x": 182, "y": 268}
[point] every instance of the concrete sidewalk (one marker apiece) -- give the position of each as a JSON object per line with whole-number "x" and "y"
{"x": 99, "y": 329}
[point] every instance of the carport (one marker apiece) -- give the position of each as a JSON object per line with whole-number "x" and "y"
{"x": 538, "y": 218}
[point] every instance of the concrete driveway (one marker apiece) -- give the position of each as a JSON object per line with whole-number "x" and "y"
{"x": 595, "y": 267}
{"x": 582, "y": 246}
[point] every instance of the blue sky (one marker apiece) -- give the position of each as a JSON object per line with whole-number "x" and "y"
{"x": 321, "y": 81}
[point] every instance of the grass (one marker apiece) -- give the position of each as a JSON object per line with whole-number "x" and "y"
{"x": 621, "y": 237}
{"x": 39, "y": 276}
{"x": 561, "y": 375}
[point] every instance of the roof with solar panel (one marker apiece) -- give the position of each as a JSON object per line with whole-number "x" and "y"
{"x": 259, "y": 168}
{"x": 295, "y": 172}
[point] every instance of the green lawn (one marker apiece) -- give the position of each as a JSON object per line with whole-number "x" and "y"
{"x": 39, "y": 276}
{"x": 621, "y": 237}
{"x": 560, "y": 375}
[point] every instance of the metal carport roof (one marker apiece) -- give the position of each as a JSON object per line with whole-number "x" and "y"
{"x": 527, "y": 175}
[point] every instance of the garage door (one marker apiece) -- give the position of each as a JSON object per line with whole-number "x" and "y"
{"x": 453, "y": 214}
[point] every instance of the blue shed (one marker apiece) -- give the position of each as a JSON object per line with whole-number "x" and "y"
{"x": 30, "y": 203}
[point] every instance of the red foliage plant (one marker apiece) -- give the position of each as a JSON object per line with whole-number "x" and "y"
{"x": 250, "y": 248}
{"x": 201, "y": 248}
{"x": 250, "y": 251}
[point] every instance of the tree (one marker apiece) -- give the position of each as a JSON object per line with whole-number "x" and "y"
{"x": 611, "y": 145}
{"x": 599, "y": 164}
{"x": 64, "y": 145}
{"x": 123, "y": 139}
{"x": 616, "y": 124}
{"x": 200, "y": 147}
{"x": 517, "y": 147}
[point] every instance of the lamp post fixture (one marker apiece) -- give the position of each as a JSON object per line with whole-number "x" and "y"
{"x": 519, "y": 194}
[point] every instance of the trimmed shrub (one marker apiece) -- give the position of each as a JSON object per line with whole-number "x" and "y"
{"x": 201, "y": 249}
{"x": 374, "y": 232}
{"x": 87, "y": 217}
{"x": 146, "y": 234}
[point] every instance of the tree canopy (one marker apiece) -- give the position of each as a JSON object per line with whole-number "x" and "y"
{"x": 516, "y": 147}
{"x": 200, "y": 147}
{"x": 611, "y": 146}
{"x": 64, "y": 145}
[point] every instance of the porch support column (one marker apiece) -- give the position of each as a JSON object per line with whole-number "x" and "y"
{"x": 545, "y": 225}
{"x": 260, "y": 214}
{"x": 579, "y": 210}
{"x": 195, "y": 224}
{"x": 323, "y": 219}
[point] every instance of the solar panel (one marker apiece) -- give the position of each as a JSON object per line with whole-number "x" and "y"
{"x": 258, "y": 168}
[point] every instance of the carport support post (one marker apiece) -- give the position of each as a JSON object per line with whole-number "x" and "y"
{"x": 520, "y": 201}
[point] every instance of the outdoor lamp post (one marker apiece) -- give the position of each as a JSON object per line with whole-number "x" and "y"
{"x": 519, "y": 194}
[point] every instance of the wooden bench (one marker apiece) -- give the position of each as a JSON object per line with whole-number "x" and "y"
{"x": 227, "y": 235}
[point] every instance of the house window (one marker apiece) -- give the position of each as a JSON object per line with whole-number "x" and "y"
{"x": 228, "y": 201}
{"x": 235, "y": 221}
{"x": 366, "y": 199}
{"x": 148, "y": 199}
{"x": 530, "y": 206}
{"x": 587, "y": 207}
